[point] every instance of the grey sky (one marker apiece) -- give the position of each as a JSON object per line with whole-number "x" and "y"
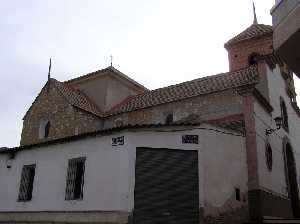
{"x": 155, "y": 42}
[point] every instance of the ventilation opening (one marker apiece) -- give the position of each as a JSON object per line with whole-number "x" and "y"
{"x": 253, "y": 59}
{"x": 269, "y": 157}
{"x": 237, "y": 194}
{"x": 169, "y": 119}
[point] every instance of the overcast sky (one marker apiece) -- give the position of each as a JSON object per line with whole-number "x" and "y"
{"x": 155, "y": 42}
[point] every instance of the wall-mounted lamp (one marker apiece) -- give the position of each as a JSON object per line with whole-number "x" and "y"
{"x": 278, "y": 122}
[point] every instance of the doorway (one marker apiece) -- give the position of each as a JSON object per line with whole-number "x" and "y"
{"x": 166, "y": 186}
{"x": 291, "y": 176}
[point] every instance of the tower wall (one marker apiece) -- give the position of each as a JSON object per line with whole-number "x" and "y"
{"x": 239, "y": 53}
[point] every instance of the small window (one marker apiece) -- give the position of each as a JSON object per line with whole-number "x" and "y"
{"x": 269, "y": 156}
{"x": 169, "y": 119}
{"x": 44, "y": 130}
{"x": 284, "y": 115}
{"x": 237, "y": 194}
{"x": 26, "y": 184}
{"x": 47, "y": 129}
{"x": 75, "y": 179}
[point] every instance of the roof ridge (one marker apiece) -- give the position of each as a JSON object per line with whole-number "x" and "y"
{"x": 201, "y": 79}
{"x": 86, "y": 75}
{"x": 113, "y": 70}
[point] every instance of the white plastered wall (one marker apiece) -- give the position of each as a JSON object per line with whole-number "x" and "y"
{"x": 274, "y": 180}
{"x": 109, "y": 170}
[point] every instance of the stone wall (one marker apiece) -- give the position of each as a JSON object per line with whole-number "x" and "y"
{"x": 65, "y": 120}
{"x": 207, "y": 107}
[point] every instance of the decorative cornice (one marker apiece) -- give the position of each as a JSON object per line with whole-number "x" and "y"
{"x": 246, "y": 90}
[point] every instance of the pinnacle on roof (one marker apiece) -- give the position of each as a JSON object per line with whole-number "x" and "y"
{"x": 255, "y": 30}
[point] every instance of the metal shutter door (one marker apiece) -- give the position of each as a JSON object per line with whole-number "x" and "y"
{"x": 166, "y": 187}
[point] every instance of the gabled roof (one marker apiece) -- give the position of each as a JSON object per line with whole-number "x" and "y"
{"x": 197, "y": 87}
{"x": 76, "y": 98}
{"x": 105, "y": 71}
{"x": 72, "y": 96}
{"x": 189, "y": 89}
{"x": 255, "y": 30}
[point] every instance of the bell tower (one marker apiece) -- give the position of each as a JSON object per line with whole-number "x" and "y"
{"x": 244, "y": 48}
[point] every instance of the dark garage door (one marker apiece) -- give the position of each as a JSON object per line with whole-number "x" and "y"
{"x": 166, "y": 187}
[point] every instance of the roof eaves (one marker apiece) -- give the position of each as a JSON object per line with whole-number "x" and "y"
{"x": 92, "y": 134}
{"x": 94, "y": 111}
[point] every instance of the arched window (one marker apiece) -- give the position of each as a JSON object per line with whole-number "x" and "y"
{"x": 284, "y": 115}
{"x": 44, "y": 129}
{"x": 253, "y": 59}
{"x": 269, "y": 156}
{"x": 47, "y": 129}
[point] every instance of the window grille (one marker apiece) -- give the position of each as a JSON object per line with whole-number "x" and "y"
{"x": 26, "y": 184}
{"x": 75, "y": 179}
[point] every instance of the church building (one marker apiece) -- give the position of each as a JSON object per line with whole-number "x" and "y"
{"x": 102, "y": 148}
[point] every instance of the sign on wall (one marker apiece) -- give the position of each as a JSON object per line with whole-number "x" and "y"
{"x": 117, "y": 141}
{"x": 190, "y": 139}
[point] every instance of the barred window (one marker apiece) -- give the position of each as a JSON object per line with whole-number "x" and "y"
{"x": 75, "y": 179}
{"x": 26, "y": 184}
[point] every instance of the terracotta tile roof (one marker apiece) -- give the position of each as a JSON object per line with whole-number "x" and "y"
{"x": 189, "y": 89}
{"x": 255, "y": 30}
{"x": 76, "y": 98}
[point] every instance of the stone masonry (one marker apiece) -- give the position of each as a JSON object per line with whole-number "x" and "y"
{"x": 65, "y": 119}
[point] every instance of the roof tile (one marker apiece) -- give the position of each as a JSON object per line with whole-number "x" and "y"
{"x": 255, "y": 30}
{"x": 77, "y": 98}
{"x": 189, "y": 89}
